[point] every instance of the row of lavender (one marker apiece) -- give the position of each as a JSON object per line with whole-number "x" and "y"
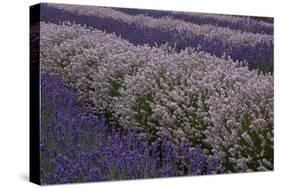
{"x": 210, "y": 101}
{"x": 234, "y": 22}
{"x": 256, "y": 49}
{"x": 168, "y": 23}
{"x": 78, "y": 146}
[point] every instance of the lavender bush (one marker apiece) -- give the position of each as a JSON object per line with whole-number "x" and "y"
{"x": 78, "y": 146}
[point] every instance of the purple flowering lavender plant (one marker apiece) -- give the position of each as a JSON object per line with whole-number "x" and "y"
{"x": 79, "y": 146}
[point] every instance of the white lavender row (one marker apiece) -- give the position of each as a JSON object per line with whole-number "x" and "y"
{"x": 208, "y": 100}
{"x": 167, "y": 23}
{"x": 88, "y": 59}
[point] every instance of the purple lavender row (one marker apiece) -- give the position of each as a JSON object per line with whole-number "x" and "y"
{"x": 244, "y": 24}
{"x": 269, "y": 20}
{"x": 78, "y": 146}
{"x": 259, "y": 56}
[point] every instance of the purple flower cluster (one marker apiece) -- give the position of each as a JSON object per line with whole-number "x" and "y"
{"x": 78, "y": 146}
{"x": 259, "y": 56}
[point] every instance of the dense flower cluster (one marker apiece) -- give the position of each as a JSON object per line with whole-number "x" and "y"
{"x": 149, "y": 94}
{"x": 227, "y": 109}
{"x": 77, "y": 146}
{"x": 257, "y": 54}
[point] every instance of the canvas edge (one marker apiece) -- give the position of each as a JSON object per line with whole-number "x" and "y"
{"x": 34, "y": 98}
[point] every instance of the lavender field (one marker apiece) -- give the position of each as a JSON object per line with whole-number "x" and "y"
{"x": 131, "y": 94}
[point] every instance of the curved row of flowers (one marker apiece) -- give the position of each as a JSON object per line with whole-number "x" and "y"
{"x": 167, "y": 24}
{"x": 78, "y": 146}
{"x": 259, "y": 56}
{"x": 207, "y": 100}
{"x": 233, "y": 22}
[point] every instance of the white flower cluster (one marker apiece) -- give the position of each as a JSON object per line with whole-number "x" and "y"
{"x": 166, "y": 23}
{"x": 208, "y": 100}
